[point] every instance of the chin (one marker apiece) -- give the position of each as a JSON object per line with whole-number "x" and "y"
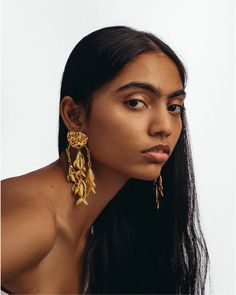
{"x": 147, "y": 175}
{"x": 146, "y": 178}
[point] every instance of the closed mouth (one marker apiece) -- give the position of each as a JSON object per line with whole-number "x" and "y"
{"x": 161, "y": 148}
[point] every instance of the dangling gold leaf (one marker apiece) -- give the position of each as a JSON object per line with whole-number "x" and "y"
{"x": 79, "y": 162}
{"x": 93, "y": 190}
{"x": 71, "y": 178}
{"x": 90, "y": 176}
{"x": 82, "y": 189}
{"x": 81, "y": 201}
{"x": 76, "y": 190}
{"x": 90, "y": 181}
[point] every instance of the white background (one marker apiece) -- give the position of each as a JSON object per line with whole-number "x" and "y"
{"x": 37, "y": 37}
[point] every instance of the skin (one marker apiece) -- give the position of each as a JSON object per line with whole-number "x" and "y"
{"x": 118, "y": 132}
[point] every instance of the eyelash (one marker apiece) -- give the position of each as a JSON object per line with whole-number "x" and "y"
{"x": 180, "y": 106}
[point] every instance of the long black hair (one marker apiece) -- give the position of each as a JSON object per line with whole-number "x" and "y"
{"x": 136, "y": 248}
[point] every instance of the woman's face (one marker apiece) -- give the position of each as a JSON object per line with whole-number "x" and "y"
{"x": 126, "y": 120}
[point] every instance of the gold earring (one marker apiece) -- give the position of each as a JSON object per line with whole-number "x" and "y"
{"x": 82, "y": 184}
{"x": 158, "y": 191}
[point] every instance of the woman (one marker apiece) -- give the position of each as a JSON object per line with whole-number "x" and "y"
{"x": 117, "y": 212}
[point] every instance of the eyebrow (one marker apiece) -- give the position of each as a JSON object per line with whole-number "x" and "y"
{"x": 151, "y": 88}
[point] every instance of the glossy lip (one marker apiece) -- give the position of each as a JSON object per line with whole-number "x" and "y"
{"x": 154, "y": 157}
{"x": 156, "y": 148}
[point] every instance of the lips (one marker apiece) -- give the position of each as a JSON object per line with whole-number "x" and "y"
{"x": 160, "y": 148}
{"x": 158, "y": 153}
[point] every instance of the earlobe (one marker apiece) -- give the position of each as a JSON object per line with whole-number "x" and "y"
{"x": 71, "y": 113}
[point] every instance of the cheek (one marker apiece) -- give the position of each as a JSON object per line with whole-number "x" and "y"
{"x": 179, "y": 127}
{"x": 111, "y": 136}
{"x": 177, "y": 131}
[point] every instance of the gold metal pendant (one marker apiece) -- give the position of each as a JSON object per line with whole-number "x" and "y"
{"x": 158, "y": 191}
{"x": 82, "y": 184}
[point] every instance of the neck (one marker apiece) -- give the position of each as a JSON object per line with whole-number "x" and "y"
{"x": 108, "y": 183}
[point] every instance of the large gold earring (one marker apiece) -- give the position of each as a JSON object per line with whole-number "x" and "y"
{"x": 82, "y": 184}
{"x": 158, "y": 190}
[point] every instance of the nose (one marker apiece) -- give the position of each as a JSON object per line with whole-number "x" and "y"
{"x": 161, "y": 123}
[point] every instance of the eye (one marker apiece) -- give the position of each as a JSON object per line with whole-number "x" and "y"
{"x": 177, "y": 108}
{"x": 135, "y": 103}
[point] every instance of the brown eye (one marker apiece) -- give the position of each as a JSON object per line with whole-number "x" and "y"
{"x": 176, "y": 108}
{"x": 135, "y": 103}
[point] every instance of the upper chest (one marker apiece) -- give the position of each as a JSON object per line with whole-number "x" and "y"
{"x": 59, "y": 272}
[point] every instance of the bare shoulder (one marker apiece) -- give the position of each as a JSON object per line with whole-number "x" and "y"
{"x": 28, "y": 224}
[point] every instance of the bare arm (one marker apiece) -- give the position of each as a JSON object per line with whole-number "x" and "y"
{"x": 28, "y": 230}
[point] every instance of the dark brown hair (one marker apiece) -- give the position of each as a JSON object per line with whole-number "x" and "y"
{"x": 136, "y": 248}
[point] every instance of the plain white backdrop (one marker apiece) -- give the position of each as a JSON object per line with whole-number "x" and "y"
{"x": 37, "y": 38}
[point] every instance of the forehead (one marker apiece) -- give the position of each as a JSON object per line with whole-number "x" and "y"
{"x": 154, "y": 68}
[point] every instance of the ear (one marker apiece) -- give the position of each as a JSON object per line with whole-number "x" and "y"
{"x": 72, "y": 114}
